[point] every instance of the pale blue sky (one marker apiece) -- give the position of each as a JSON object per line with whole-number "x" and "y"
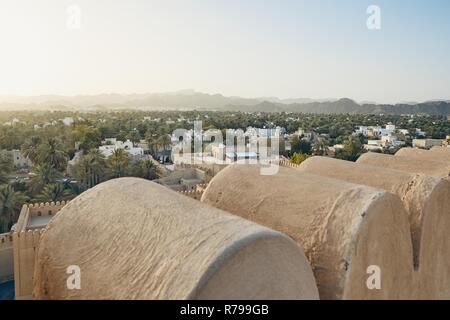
{"x": 315, "y": 49}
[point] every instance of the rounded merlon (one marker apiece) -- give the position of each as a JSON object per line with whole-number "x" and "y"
{"x": 135, "y": 239}
{"x": 411, "y": 165}
{"x": 440, "y": 154}
{"x": 343, "y": 228}
{"x": 427, "y": 201}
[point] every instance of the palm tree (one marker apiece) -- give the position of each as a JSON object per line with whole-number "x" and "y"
{"x": 153, "y": 142}
{"x": 11, "y": 202}
{"x": 54, "y": 192}
{"x": 41, "y": 175}
{"x": 165, "y": 141}
{"x": 76, "y": 188}
{"x": 30, "y": 149}
{"x": 353, "y": 148}
{"x": 147, "y": 169}
{"x": 51, "y": 152}
{"x": 117, "y": 163}
{"x": 134, "y": 136}
{"x": 90, "y": 169}
{"x": 6, "y": 166}
{"x": 321, "y": 146}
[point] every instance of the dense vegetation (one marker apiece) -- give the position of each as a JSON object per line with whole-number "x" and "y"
{"x": 49, "y": 144}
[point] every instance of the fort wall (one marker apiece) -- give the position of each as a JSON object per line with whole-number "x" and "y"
{"x": 25, "y": 244}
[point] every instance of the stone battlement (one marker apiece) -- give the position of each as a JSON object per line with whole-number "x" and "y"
{"x": 287, "y": 163}
{"x": 45, "y": 208}
{"x": 31, "y": 210}
{"x": 197, "y": 195}
{"x": 25, "y": 240}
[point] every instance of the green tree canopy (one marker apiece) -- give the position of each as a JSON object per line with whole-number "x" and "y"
{"x": 54, "y": 192}
{"x": 353, "y": 148}
{"x": 51, "y": 152}
{"x": 41, "y": 175}
{"x": 117, "y": 163}
{"x": 298, "y": 158}
{"x": 6, "y": 166}
{"x": 11, "y": 202}
{"x": 146, "y": 169}
{"x": 30, "y": 148}
{"x": 300, "y": 145}
{"x": 91, "y": 168}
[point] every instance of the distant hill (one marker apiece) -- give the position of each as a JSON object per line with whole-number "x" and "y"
{"x": 189, "y": 99}
{"x": 349, "y": 106}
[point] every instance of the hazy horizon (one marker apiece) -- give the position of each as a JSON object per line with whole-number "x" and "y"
{"x": 30, "y": 99}
{"x": 289, "y": 49}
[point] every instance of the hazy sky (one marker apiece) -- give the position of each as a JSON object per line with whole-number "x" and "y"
{"x": 315, "y": 49}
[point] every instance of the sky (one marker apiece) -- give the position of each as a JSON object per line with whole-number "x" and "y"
{"x": 249, "y": 48}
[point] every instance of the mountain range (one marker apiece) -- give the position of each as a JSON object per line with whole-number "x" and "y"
{"x": 189, "y": 100}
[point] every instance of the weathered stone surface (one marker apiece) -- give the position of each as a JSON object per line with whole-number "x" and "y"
{"x": 135, "y": 239}
{"x": 343, "y": 228}
{"x": 411, "y": 165}
{"x": 439, "y": 154}
{"x": 427, "y": 201}
{"x": 442, "y": 150}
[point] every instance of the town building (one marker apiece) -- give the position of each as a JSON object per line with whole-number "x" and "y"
{"x": 19, "y": 161}
{"x": 112, "y": 144}
{"x": 427, "y": 143}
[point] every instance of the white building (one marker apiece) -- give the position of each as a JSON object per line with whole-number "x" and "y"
{"x": 390, "y": 127}
{"x": 19, "y": 161}
{"x": 376, "y": 131}
{"x": 68, "y": 121}
{"x": 387, "y": 140}
{"x": 113, "y": 144}
{"x": 420, "y": 133}
{"x": 374, "y": 145}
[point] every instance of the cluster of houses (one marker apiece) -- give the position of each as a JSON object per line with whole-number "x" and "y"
{"x": 388, "y": 137}
{"x": 392, "y": 138}
{"x": 211, "y": 146}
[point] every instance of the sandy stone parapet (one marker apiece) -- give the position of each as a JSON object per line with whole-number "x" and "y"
{"x": 437, "y": 154}
{"x": 443, "y": 149}
{"x": 135, "y": 239}
{"x": 427, "y": 200}
{"x": 343, "y": 228}
{"x": 407, "y": 164}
